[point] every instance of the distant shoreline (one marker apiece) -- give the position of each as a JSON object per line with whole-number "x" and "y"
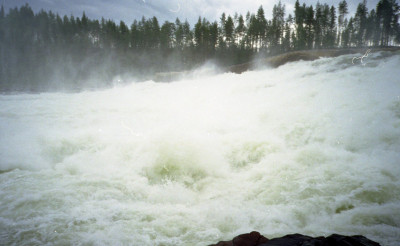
{"x": 305, "y": 55}
{"x": 279, "y": 60}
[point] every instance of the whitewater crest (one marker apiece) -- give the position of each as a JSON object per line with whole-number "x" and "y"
{"x": 309, "y": 147}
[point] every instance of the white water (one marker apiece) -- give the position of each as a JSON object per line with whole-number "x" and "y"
{"x": 310, "y": 147}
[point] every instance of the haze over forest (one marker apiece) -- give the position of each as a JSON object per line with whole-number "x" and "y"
{"x": 44, "y": 51}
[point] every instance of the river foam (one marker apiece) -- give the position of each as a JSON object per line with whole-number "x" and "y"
{"x": 309, "y": 147}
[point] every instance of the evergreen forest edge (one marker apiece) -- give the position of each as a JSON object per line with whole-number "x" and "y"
{"x": 44, "y": 51}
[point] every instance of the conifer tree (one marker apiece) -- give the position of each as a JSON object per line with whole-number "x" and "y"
{"x": 343, "y": 11}
{"x": 277, "y": 27}
{"x": 309, "y": 24}
{"x": 387, "y": 12}
{"x": 360, "y": 23}
{"x": 240, "y": 31}
{"x": 299, "y": 16}
{"x": 229, "y": 31}
{"x": 261, "y": 27}
{"x": 331, "y": 35}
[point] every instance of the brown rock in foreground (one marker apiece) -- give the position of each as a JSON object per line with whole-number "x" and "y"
{"x": 256, "y": 239}
{"x": 248, "y": 239}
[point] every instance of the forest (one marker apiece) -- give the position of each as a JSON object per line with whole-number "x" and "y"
{"x": 45, "y": 51}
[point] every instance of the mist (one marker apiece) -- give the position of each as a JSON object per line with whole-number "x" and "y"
{"x": 44, "y": 51}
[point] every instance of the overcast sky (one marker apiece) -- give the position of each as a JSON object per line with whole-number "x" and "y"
{"x": 128, "y": 10}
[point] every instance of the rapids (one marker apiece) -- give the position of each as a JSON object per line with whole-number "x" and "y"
{"x": 309, "y": 147}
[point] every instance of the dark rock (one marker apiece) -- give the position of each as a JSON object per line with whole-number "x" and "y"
{"x": 249, "y": 239}
{"x": 341, "y": 240}
{"x": 255, "y": 239}
{"x": 292, "y": 239}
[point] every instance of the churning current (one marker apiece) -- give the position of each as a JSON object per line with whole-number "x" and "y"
{"x": 309, "y": 147}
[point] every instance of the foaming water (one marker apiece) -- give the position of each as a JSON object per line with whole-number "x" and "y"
{"x": 309, "y": 147}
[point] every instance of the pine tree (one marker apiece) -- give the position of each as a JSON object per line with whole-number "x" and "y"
{"x": 347, "y": 32}
{"x": 123, "y": 36}
{"x": 286, "y": 39}
{"x": 252, "y": 34}
{"x": 187, "y": 35}
{"x": 261, "y": 28}
{"x": 213, "y": 37}
{"x": 370, "y": 28}
{"x": 343, "y": 11}
{"x": 318, "y": 25}
{"x": 298, "y": 13}
{"x": 229, "y": 31}
{"x": 278, "y": 25}
{"x": 155, "y": 33}
{"x": 331, "y": 35}
{"x": 240, "y": 31}
{"x": 135, "y": 36}
{"x": 352, "y": 32}
{"x": 387, "y": 12}
{"x": 360, "y": 23}
{"x": 309, "y": 24}
{"x": 299, "y": 16}
{"x": 198, "y": 34}
{"x": 167, "y": 36}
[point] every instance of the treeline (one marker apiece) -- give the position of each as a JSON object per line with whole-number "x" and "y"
{"x": 40, "y": 51}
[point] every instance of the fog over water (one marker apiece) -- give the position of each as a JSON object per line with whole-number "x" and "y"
{"x": 309, "y": 147}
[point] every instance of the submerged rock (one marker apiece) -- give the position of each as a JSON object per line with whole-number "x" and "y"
{"x": 256, "y": 239}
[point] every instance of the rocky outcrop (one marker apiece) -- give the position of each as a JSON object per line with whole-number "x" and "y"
{"x": 256, "y": 239}
{"x": 248, "y": 239}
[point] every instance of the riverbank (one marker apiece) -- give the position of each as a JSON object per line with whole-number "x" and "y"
{"x": 278, "y": 60}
